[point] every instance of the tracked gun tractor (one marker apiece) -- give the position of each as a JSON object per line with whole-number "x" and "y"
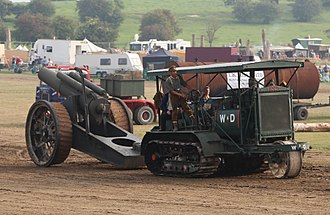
{"x": 244, "y": 129}
{"x": 87, "y": 120}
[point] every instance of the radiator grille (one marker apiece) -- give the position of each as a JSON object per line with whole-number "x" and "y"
{"x": 275, "y": 114}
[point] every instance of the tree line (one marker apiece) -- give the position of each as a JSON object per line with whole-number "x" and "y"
{"x": 99, "y": 20}
{"x": 266, "y": 11}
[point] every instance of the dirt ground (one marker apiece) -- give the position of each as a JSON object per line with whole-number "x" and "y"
{"x": 82, "y": 185}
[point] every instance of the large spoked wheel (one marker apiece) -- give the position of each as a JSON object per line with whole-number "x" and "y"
{"x": 144, "y": 115}
{"x": 48, "y": 133}
{"x": 285, "y": 164}
{"x": 153, "y": 159}
{"x": 120, "y": 114}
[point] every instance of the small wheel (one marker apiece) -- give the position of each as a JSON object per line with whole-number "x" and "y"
{"x": 48, "y": 133}
{"x": 104, "y": 74}
{"x": 302, "y": 113}
{"x": 153, "y": 159}
{"x": 99, "y": 75}
{"x": 285, "y": 164}
{"x": 144, "y": 115}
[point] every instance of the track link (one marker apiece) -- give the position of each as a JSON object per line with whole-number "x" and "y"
{"x": 179, "y": 159}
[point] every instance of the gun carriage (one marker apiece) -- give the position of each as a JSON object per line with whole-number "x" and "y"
{"x": 87, "y": 120}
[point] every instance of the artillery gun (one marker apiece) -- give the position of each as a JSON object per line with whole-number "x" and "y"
{"x": 244, "y": 127}
{"x": 87, "y": 120}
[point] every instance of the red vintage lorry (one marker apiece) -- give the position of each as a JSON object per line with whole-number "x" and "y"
{"x": 132, "y": 93}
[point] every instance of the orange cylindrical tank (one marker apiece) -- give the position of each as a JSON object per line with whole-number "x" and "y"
{"x": 305, "y": 83}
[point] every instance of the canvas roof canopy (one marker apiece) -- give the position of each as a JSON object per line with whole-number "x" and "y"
{"x": 231, "y": 67}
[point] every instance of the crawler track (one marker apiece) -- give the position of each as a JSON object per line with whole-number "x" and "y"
{"x": 179, "y": 159}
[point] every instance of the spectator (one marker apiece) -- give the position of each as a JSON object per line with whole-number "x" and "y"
{"x": 50, "y": 62}
{"x": 312, "y": 54}
{"x": 7, "y": 63}
{"x": 44, "y": 61}
{"x": 18, "y": 61}
{"x": 321, "y": 71}
{"x": 326, "y": 68}
{"x": 39, "y": 62}
{"x": 326, "y": 75}
{"x": 13, "y": 63}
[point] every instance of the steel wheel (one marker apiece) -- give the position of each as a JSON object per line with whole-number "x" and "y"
{"x": 285, "y": 164}
{"x": 48, "y": 133}
{"x": 120, "y": 114}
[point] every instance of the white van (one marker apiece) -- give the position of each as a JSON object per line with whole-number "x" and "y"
{"x": 103, "y": 64}
{"x": 153, "y": 44}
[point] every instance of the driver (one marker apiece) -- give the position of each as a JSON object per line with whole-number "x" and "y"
{"x": 174, "y": 84}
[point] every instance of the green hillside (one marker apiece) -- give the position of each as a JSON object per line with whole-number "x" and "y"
{"x": 194, "y": 16}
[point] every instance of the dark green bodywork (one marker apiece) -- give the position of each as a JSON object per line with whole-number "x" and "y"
{"x": 244, "y": 121}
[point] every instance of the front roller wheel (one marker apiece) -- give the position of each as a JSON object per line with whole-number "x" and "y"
{"x": 285, "y": 164}
{"x": 153, "y": 159}
{"x": 48, "y": 133}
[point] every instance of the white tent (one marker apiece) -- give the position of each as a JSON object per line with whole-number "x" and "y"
{"x": 299, "y": 47}
{"x": 22, "y": 48}
{"x": 92, "y": 48}
{"x": 300, "y": 51}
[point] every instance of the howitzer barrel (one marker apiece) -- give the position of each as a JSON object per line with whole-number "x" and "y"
{"x": 97, "y": 89}
{"x": 72, "y": 83}
{"x": 50, "y": 78}
{"x": 68, "y": 86}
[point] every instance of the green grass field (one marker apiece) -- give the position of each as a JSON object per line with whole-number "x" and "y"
{"x": 194, "y": 16}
